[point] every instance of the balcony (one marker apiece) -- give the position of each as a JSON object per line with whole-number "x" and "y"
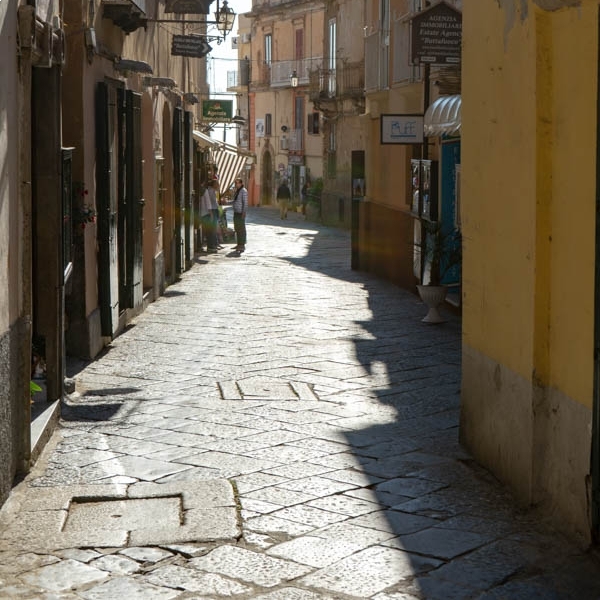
{"x": 277, "y": 74}
{"x": 346, "y": 82}
{"x": 282, "y": 70}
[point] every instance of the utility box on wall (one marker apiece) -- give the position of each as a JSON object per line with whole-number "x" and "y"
{"x": 424, "y": 182}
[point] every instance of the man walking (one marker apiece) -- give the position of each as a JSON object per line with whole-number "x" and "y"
{"x": 240, "y": 207}
{"x": 283, "y": 198}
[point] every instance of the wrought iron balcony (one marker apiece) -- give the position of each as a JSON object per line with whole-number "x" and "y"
{"x": 347, "y": 81}
{"x": 278, "y": 73}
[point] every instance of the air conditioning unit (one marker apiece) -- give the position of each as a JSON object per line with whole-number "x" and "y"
{"x": 245, "y": 38}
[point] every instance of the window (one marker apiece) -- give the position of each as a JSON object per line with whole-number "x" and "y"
{"x": 268, "y": 124}
{"x": 297, "y": 133}
{"x": 298, "y": 112}
{"x": 313, "y": 123}
{"x": 299, "y": 49}
{"x": 332, "y": 57}
{"x": 268, "y": 49}
{"x": 384, "y": 60}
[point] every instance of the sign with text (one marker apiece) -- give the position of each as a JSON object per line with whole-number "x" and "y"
{"x": 217, "y": 111}
{"x": 436, "y": 36}
{"x": 192, "y": 7}
{"x": 401, "y": 129}
{"x": 194, "y": 46}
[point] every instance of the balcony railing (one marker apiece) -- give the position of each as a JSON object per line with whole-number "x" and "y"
{"x": 281, "y": 71}
{"x": 347, "y": 81}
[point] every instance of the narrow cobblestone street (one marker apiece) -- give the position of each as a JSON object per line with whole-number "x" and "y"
{"x": 276, "y": 426}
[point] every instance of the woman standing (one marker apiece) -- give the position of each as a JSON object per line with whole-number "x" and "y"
{"x": 240, "y": 207}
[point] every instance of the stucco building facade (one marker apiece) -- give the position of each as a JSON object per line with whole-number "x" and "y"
{"x": 529, "y": 219}
{"x": 286, "y": 40}
{"x": 102, "y": 165}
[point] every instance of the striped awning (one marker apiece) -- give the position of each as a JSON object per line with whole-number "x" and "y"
{"x": 229, "y": 159}
{"x": 443, "y": 116}
{"x": 204, "y": 140}
{"x": 230, "y": 162}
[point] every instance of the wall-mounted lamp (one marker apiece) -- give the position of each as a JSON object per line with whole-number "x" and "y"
{"x": 224, "y": 18}
{"x": 294, "y": 79}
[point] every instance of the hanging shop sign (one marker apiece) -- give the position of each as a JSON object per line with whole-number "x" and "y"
{"x": 194, "y": 46}
{"x": 217, "y": 111}
{"x": 193, "y": 7}
{"x": 436, "y": 36}
{"x": 401, "y": 129}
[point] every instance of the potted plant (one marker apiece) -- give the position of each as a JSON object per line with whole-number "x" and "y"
{"x": 438, "y": 252}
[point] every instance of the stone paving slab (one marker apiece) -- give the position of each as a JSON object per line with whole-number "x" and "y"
{"x": 304, "y": 435}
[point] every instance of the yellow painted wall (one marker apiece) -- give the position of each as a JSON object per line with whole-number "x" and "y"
{"x": 528, "y": 205}
{"x": 575, "y": 60}
{"x": 498, "y": 185}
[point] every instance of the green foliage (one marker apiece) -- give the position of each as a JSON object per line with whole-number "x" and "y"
{"x": 441, "y": 250}
{"x": 34, "y": 387}
{"x": 315, "y": 191}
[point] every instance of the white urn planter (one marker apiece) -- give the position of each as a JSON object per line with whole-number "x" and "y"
{"x": 432, "y": 296}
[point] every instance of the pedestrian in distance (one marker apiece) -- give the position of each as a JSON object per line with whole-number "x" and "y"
{"x": 240, "y": 208}
{"x": 209, "y": 230}
{"x": 283, "y": 199}
{"x": 304, "y": 195}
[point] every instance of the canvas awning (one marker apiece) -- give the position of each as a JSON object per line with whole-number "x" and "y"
{"x": 443, "y": 117}
{"x": 229, "y": 159}
{"x": 230, "y": 162}
{"x": 204, "y": 140}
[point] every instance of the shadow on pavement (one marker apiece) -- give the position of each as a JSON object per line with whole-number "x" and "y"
{"x": 463, "y": 531}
